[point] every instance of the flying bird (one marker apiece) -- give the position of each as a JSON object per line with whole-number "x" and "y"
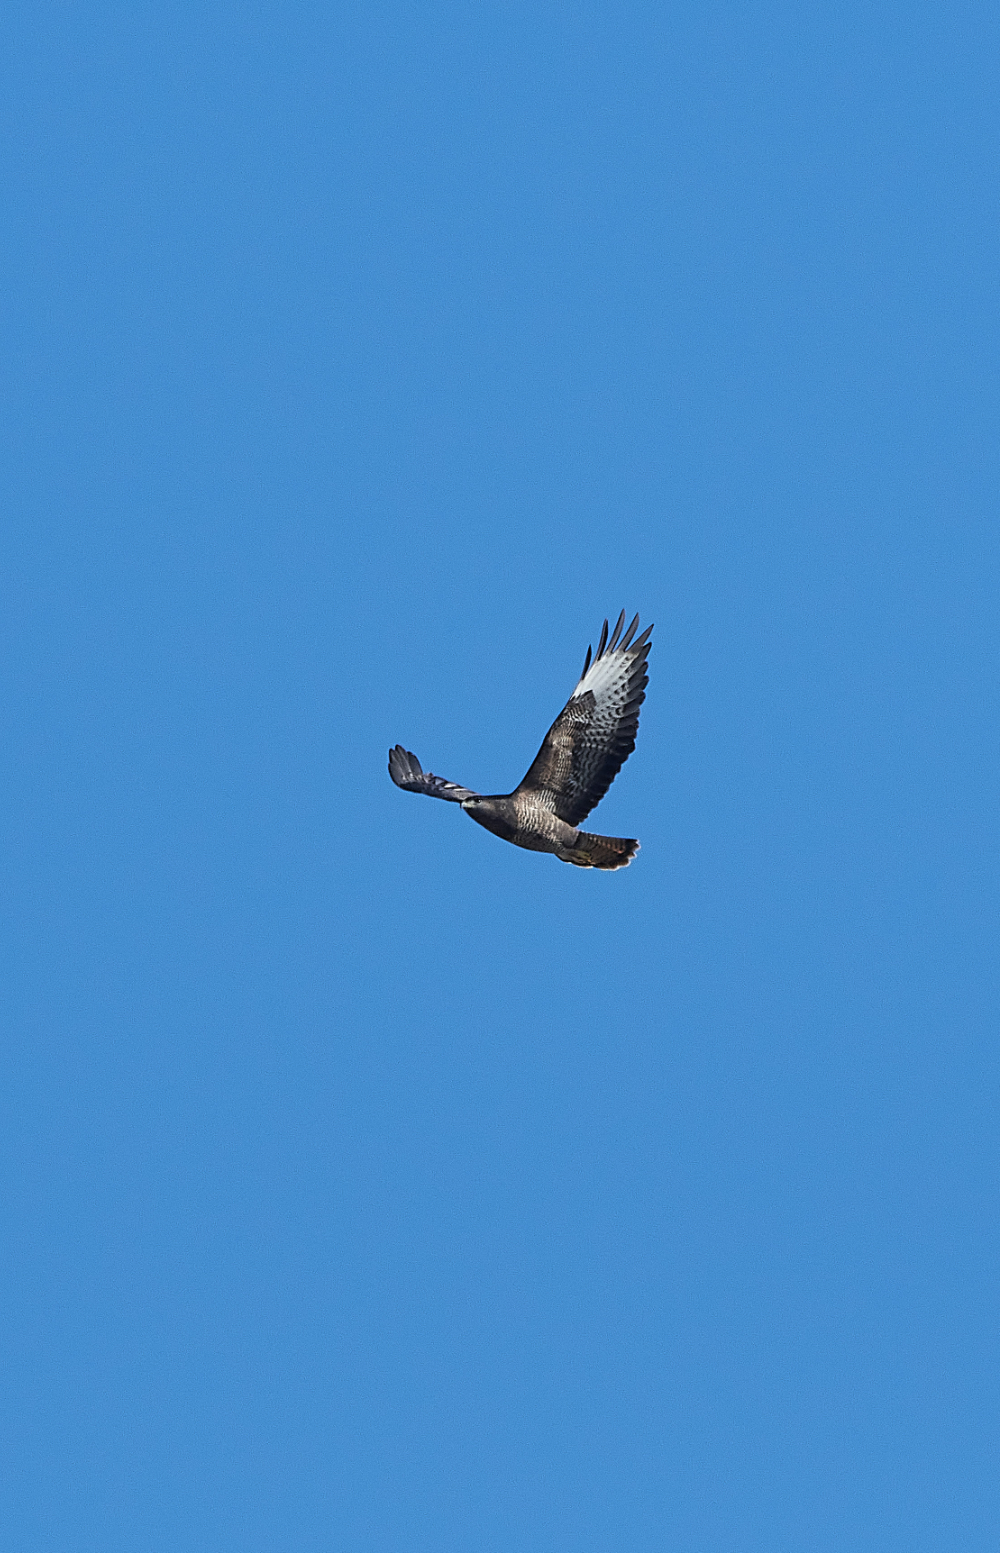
{"x": 580, "y": 757}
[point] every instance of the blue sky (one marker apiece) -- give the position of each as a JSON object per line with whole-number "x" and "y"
{"x": 370, "y": 1184}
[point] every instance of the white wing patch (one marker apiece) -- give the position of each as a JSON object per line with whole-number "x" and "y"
{"x": 610, "y": 682}
{"x": 607, "y": 678}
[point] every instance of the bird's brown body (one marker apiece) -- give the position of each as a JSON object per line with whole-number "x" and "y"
{"x": 527, "y": 823}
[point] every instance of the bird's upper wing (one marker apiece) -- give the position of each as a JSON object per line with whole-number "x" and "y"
{"x": 594, "y": 734}
{"x": 407, "y": 772}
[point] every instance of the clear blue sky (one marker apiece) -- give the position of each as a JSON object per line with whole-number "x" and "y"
{"x": 371, "y": 1185}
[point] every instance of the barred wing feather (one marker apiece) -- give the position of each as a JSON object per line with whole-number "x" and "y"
{"x": 594, "y": 734}
{"x": 407, "y": 772}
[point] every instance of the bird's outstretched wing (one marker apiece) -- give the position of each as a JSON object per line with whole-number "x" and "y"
{"x": 594, "y": 734}
{"x": 407, "y": 772}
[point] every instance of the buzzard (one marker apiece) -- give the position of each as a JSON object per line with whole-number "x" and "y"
{"x": 580, "y": 757}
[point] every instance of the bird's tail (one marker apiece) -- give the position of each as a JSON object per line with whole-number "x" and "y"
{"x": 601, "y": 851}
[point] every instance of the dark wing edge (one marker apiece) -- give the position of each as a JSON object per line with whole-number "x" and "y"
{"x": 407, "y": 773}
{"x": 595, "y": 733}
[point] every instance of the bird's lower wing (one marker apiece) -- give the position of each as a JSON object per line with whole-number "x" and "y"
{"x": 407, "y": 773}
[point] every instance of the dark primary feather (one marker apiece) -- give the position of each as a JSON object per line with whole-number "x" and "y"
{"x": 407, "y": 772}
{"x": 594, "y": 734}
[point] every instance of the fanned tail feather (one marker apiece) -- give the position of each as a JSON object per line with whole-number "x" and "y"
{"x": 601, "y": 851}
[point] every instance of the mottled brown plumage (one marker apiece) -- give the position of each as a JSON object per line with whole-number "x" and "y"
{"x": 580, "y": 757}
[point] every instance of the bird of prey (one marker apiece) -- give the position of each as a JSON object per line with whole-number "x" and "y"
{"x": 580, "y": 757}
